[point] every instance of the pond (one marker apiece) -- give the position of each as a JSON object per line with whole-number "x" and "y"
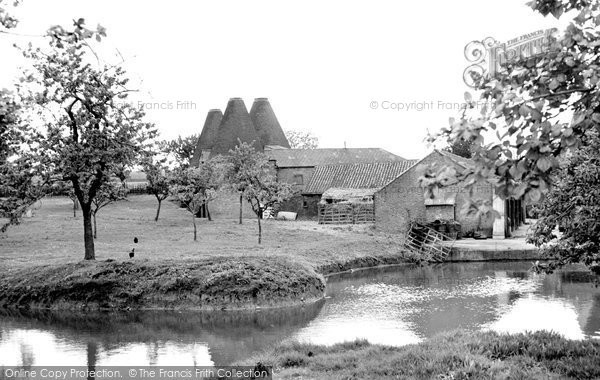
{"x": 393, "y": 305}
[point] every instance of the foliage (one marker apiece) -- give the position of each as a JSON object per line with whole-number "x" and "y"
{"x": 19, "y": 185}
{"x": 195, "y": 187}
{"x": 574, "y": 205}
{"x": 181, "y": 149}
{"x": 460, "y": 148}
{"x": 250, "y": 173}
{"x": 90, "y": 132}
{"x": 302, "y": 139}
{"x": 6, "y": 20}
{"x": 19, "y": 189}
{"x": 159, "y": 180}
{"x": 527, "y": 103}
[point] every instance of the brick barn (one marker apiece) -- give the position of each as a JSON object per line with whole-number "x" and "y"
{"x": 402, "y": 200}
{"x": 313, "y": 171}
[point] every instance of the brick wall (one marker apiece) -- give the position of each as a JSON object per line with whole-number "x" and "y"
{"x": 296, "y": 204}
{"x": 439, "y": 212}
{"x": 287, "y": 175}
{"x": 403, "y": 200}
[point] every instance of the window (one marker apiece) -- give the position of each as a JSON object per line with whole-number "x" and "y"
{"x": 298, "y": 179}
{"x": 305, "y": 203}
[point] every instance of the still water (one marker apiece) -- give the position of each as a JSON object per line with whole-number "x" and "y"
{"x": 396, "y": 306}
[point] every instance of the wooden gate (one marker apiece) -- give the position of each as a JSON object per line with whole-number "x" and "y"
{"x": 428, "y": 242}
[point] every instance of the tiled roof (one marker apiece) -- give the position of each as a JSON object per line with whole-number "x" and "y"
{"x": 286, "y": 158}
{"x": 355, "y": 176}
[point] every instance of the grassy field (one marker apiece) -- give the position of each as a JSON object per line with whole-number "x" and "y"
{"x": 50, "y": 246}
{"x": 454, "y": 355}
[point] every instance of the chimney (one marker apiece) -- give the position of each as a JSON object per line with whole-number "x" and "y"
{"x": 235, "y": 124}
{"x": 266, "y": 123}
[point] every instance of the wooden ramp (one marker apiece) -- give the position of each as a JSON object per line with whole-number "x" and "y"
{"x": 428, "y": 242}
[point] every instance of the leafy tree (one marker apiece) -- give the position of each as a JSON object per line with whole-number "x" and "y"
{"x": 529, "y": 102}
{"x": 108, "y": 193}
{"x": 6, "y": 20}
{"x": 460, "y": 148}
{"x": 159, "y": 181}
{"x": 20, "y": 176}
{"x": 240, "y": 164}
{"x": 251, "y": 174}
{"x": 20, "y": 185}
{"x": 91, "y": 132}
{"x": 573, "y": 203}
{"x": 181, "y": 148}
{"x": 302, "y": 139}
{"x": 265, "y": 192}
{"x": 195, "y": 187}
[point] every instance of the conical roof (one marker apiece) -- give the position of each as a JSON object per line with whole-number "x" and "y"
{"x": 208, "y": 134}
{"x": 236, "y": 124}
{"x": 266, "y": 124}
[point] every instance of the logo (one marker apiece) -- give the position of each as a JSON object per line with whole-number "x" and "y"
{"x": 488, "y": 56}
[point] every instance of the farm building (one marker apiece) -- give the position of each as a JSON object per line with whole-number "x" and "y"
{"x": 351, "y": 182}
{"x": 402, "y": 201}
{"x": 222, "y": 132}
{"x": 313, "y": 171}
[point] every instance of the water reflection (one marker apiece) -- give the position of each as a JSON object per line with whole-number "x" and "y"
{"x": 404, "y": 305}
{"x": 396, "y": 306}
{"x": 144, "y": 338}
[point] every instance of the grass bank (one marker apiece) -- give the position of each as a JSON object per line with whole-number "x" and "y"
{"x": 454, "y": 355}
{"x": 225, "y": 268}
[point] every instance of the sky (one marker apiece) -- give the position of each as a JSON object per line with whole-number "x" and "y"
{"x": 355, "y": 73}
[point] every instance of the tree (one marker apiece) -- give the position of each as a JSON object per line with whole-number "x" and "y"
{"x": 265, "y": 192}
{"x": 195, "y": 187}
{"x": 460, "y": 148}
{"x": 252, "y": 175}
{"x": 573, "y": 203}
{"x": 159, "y": 181}
{"x": 108, "y": 193}
{"x": 302, "y": 139}
{"x": 242, "y": 162}
{"x": 20, "y": 188}
{"x": 527, "y": 104}
{"x": 182, "y": 148}
{"x": 20, "y": 184}
{"x": 90, "y": 132}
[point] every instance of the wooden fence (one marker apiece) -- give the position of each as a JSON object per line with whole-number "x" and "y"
{"x": 346, "y": 213}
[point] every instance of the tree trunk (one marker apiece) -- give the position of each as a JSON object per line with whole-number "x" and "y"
{"x": 95, "y": 229}
{"x": 75, "y": 208}
{"x": 158, "y": 209}
{"x": 194, "y": 222}
{"x": 88, "y": 233}
{"x": 208, "y": 212}
{"x": 259, "y": 228}
{"x": 241, "y": 199}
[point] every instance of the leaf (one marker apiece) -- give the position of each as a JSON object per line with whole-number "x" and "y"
{"x": 557, "y": 12}
{"x": 534, "y": 195}
{"x": 544, "y": 164}
{"x": 468, "y": 97}
{"x": 554, "y": 84}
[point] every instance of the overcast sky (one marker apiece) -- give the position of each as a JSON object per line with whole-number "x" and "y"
{"x": 322, "y": 64}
